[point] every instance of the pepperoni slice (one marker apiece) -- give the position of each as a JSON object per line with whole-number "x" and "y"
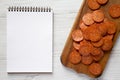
{"x": 74, "y": 57}
{"x": 98, "y": 44}
{"x": 110, "y": 37}
{"x": 95, "y": 69}
{"x": 85, "y": 49}
{"x": 96, "y": 51}
{"x": 83, "y": 26}
{"x": 76, "y": 45}
{"x": 103, "y": 29}
{"x": 84, "y": 42}
{"x": 77, "y": 35}
{"x": 93, "y": 4}
{"x": 98, "y": 57}
{"x": 114, "y": 10}
{"x": 95, "y": 37}
{"x": 95, "y": 34}
{"x": 92, "y": 33}
{"x": 98, "y": 15}
{"x": 87, "y": 19}
{"x": 107, "y": 45}
{"x": 86, "y": 33}
{"x": 87, "y": 60}
{"x": 102, "y": 1}
{"x": 111, "y": 27}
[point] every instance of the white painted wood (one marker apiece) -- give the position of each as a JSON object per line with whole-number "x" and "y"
{"x": 65, "y": 12}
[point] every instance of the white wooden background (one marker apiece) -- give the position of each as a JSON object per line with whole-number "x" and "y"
{"x": 65, "y": 12}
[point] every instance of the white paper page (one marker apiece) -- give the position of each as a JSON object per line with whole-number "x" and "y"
{"x": 29, "y": 42}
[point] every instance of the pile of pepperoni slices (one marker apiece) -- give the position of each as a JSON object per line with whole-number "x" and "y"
{"x": 94, "y": 37}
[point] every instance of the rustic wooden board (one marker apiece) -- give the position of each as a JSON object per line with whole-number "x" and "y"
{"x": 81, "y": 68}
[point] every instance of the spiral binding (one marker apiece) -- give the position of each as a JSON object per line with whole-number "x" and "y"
{"x": 29, "y": 9}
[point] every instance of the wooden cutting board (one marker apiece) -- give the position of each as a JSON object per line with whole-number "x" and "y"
{"x": 81, "y": 68}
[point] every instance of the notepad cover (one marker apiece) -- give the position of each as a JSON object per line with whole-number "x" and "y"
{"x": 29, "y": 41}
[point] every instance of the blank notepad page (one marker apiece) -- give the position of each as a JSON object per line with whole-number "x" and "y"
{"x": 29, "y": 41}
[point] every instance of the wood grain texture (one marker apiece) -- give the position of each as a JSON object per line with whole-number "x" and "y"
{"x": 65, "y": 12}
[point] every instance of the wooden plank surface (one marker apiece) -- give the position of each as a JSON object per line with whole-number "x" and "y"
{"x": 65, "y": 12}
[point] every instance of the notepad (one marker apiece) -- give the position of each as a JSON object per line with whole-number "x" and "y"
{"x": 29, "y": 39}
